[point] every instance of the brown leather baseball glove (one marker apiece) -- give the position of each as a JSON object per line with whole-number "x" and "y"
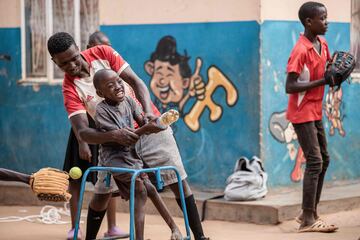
{"x": 339, "y": 68}
{"x": 50, "y": 184}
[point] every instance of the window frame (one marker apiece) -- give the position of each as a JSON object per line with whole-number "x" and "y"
{"x": 49, "y": 79}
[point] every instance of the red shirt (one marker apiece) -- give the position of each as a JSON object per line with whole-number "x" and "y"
{"x": 80, "y": 94}
{"x": 310, "y": 65}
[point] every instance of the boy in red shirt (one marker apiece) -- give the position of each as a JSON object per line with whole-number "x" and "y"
{"x": 80, "y": 100}
{"x": 305, "y": 85}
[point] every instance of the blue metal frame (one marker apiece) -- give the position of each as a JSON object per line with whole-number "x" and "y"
{"x": 132, "y": 194}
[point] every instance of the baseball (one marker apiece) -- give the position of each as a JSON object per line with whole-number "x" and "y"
{"x": 75, "y": 173}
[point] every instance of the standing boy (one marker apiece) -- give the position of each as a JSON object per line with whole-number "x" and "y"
{"x": 305, "y": 85}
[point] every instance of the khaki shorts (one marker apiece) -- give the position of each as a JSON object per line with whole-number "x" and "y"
{"x": 100, "y": 186}
{"x": 156, "y": 150}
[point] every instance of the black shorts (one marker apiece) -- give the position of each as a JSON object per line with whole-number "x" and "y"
{"x": 72, "y": 158}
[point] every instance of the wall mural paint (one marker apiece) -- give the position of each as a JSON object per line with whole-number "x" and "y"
{"x": 283, "y": 131}
{"x": 173, "y": 84}
{"x": 333, "y": 109}
{"x": 222, "y": 57}
{"x": 209, "y": 153}
{"x": 33, "y": 125}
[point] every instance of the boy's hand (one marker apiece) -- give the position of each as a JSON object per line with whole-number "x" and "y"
{"x": 332, "y": 80}
{"x": 148, "y": 117}
{"x": 125, "y": 136}
{"x": 154, "y": 127}
{"x": 84, "y": 151}
{"x": 150, "y": 127}
{"x": 339, "y": 68}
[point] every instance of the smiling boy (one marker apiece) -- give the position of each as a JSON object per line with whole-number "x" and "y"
{"x": 80, "y": 99}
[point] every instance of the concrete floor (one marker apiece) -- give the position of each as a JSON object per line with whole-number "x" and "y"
{"x": 348, "y": 221}
{"x": 280, "y": 204}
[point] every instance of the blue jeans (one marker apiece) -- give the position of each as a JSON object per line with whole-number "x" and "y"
{"x": 312, "y": 139}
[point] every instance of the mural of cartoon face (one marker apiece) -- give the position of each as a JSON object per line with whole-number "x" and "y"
{"x": 170, "y": 74}
{"x": 166, "y": 83}
{"x": 173, "y": 83}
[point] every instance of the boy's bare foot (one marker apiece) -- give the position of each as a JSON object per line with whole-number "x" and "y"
{"x": 116, "y": 232}
{"x": 305, "y": 224}
{"x": 176, "y": 234}
{"x": 299, "y": 218}
{"x": 71, "y": 234}
{"x": 307, "y": 219}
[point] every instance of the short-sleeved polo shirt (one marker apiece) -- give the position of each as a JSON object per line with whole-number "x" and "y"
{"x": 306, "y": 61}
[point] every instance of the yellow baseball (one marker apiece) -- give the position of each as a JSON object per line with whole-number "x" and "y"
{"x": 75, "y": 173}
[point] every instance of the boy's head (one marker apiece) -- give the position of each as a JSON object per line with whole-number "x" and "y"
{"x": 313, "y": 16}
{"x": 109, "y": 85}
{"x": 98, "y": 38}
{"x": 65, "y": 53}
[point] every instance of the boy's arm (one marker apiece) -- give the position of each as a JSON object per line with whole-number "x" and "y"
{"x": 140, "y": 89}
{"x": 144, "y": 126}
{"x": 293, "y": 86}
{"x": 80, "y": 125}
{"x": 137, "y": 112}
{"x": 148, "y": 128}
{"x": 84, "y": 149}
{"x": 9, "y": 175}
{"x": 140, "y": 119}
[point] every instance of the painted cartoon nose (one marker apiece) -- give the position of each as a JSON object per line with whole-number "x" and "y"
{"x": 162, "y": 81}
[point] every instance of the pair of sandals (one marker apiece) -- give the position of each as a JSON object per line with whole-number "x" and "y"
{"x": 318, "y": 226}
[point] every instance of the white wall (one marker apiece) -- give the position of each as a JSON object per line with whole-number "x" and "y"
{"x": 176, "y": 11}
{"x": 338, "y": 10}
{"x": 9, "y": 13}
{"x": 114, "y": 12}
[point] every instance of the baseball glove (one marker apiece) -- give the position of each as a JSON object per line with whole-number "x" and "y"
{"x": 50, "y": 184}
{"x": 339, "y": 68}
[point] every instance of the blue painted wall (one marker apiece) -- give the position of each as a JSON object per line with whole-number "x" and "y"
{"x": 210, "y": 153}
{"x": 33, "y": 125}
{"x": 277, "y": 40}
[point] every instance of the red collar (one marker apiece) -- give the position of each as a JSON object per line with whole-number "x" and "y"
{"x": 304, "y": 40}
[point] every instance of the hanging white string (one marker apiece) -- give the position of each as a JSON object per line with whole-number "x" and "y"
{"x": 48, "y": 215}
